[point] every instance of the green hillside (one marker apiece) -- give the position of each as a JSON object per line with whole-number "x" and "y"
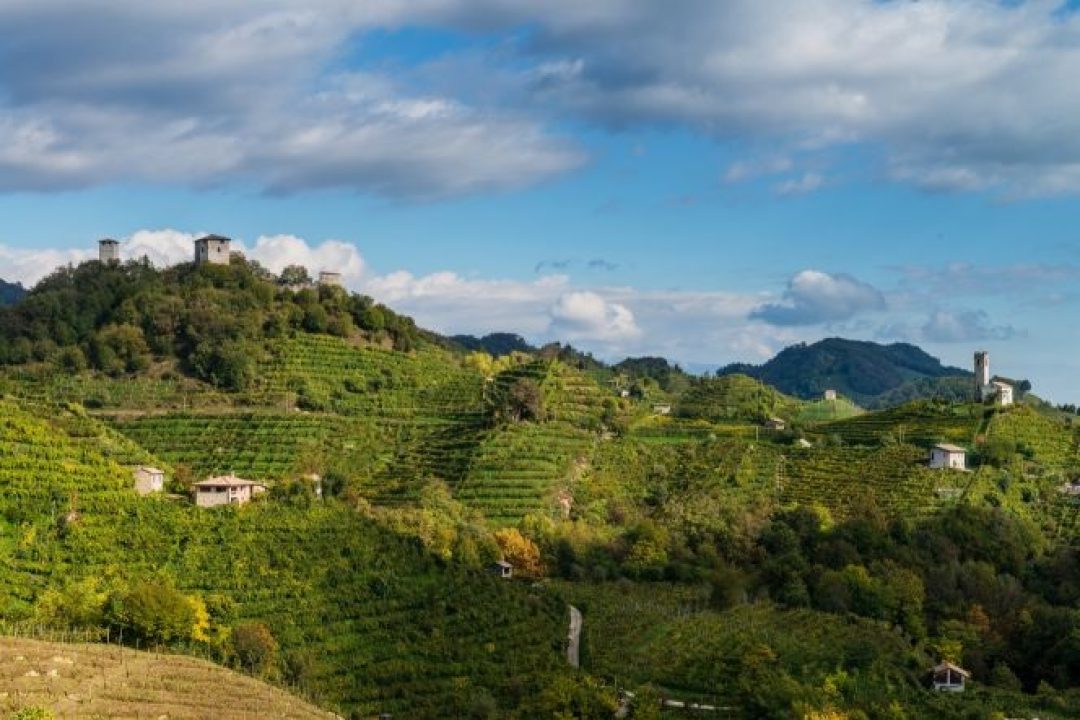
{"x": 340, "y": 595}
{"x": 735, "y": 398}
{"x": 782, "y": 572}
{"x": 924, "y": 422}
{"x": 862, "y": 371}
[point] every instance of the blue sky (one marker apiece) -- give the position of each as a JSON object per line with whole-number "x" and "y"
{"x": 706, "y": 181}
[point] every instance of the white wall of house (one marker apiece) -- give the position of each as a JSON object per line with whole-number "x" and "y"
{"x": 941, "y": 458}
{"x": 148, "y": 481}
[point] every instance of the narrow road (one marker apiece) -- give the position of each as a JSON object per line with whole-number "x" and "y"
{"x": 573, "y": 648}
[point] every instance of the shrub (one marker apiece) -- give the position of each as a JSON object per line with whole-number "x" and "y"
{"x": 33, "y": 713}
{"x": 253, "y": 647}
{"x": 155, "y": 612}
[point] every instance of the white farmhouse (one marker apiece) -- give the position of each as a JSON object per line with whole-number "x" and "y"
{"x": 149, "y": 480}
{"x": 945, "y": 456}
{"x": 226, "y": 490}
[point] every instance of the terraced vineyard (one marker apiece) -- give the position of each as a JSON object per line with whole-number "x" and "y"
{"x": 922, "y": 422}
{"x": 572, "y": 397}
{"x": 96, "y": 390}
{"x": 1052, "y": 442}
{"x": 48, "y": 472}
{"x": 666, "y": 429}
{"x": 896, "y": 477}
{"x": 828, "y": 410}
{"x": 390, "y": 627}
{"x": 520, "y": 468}
{"x": 627, "y": 628}
{"x": 368, "y": 380}
{"x": 261, "y": 445}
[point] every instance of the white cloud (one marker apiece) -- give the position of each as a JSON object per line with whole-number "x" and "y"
{"x": 275, "y": 252}
{"x": 243, "y": 92}
{"x": 802, "y": 185}
{"x": 28, "y": 265}
{"x": 813, "y": 297}
{"x": 586, "y": 315}
{"x": 959, "y": 95}
{"x": 161, "y": 247}
{"x": 963, "y": 327}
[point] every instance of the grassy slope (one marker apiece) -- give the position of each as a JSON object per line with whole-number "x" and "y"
{"x": 88, "y": 681}
{"x": 389, "y": 627}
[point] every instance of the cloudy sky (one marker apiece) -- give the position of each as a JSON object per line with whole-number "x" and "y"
{"x": 709, "y": 181}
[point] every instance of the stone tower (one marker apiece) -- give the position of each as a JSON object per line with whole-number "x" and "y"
{"x": 330, "y": 279}
{"x": 108, "y": 251}
{"x": 212, "y": 250}
{"x": 982, "y": 374}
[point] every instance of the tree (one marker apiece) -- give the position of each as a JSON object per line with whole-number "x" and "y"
{"x": 253, "y": 647}
{"x": 120, "y": 348}
{"x": 524, "y": 401}
{"x": 155, "y": 612}
{"x": 520, "y": 551}
{"x": 294, "y": 275}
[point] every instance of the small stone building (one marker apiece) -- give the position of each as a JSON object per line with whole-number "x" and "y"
{"x": 775, "y": 423}
{"x": 949, "y": 678}
{"x": 503, "y": 569}
{"x": 661, "y": 409}
{"x": 108, "y": 251}
{"x": 830, "y": 394}
{"x": 946, "y": 456}
{"x": 213, "y": 250}
{"x": 330, "y": 279}
{"x": 149, "y": 480}
{"x": 226, "y": 490}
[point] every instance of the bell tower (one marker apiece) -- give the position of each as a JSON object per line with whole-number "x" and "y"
{"x": 982, "y": 374}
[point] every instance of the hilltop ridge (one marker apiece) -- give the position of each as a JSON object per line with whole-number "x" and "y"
{"x": 862, "y": 370}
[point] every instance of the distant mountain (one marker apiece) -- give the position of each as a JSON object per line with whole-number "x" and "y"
{"x": 863, "y": 371}
{"x": 11, "y": 293}
{"x": 496, "y": 344}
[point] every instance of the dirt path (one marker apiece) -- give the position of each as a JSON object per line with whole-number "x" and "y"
{"x": 573, "y": 648}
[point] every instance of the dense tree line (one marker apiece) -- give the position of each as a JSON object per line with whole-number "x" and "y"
{"x": 215, "y": 320}
{"x": 974, "y": 585}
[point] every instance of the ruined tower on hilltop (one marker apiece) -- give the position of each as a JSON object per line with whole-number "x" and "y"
{"x": 108, "y": 251}
{"x": 212, "y": 250}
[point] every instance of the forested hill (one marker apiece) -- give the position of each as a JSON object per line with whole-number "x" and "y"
{"x": 10, "y": 293}
{"x": 497, "y": 344}
{"x": 857, "y": 369}
{"x": 214, "y": 322}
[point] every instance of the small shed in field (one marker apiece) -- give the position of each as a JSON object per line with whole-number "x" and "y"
{"x": 946, "y": 456}
{"x": 149, "y": 480}
{"x": 775, "y": 423}
{"x": 830, "y": 394}
{"x": 661, "y": 409}
{"x": 226, "y": 490}
{"x": 948, "y": 677}
{"x": 503, "y": 569}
